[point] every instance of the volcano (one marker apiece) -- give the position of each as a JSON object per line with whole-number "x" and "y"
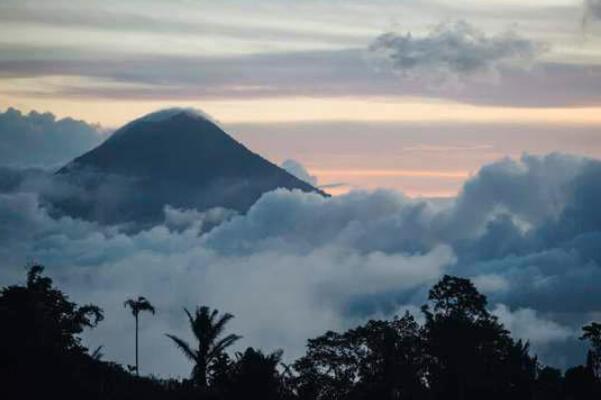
{"x": 176, "y": 157}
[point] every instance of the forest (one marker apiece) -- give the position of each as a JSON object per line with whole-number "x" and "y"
{"x": 460, "y": 352}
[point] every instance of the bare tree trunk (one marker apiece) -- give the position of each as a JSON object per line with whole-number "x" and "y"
{"x": 137, "y": 366}
{"x": 203, "y": 374}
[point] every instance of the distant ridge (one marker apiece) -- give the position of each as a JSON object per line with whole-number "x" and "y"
{"x": 178, "y": 157}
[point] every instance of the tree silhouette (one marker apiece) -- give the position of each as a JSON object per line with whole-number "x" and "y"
{"x": 392, "y": 363}
{"x": 41, "y": 352}
{"x": 592, "y": 333}
{"x": 42, "y": 315}
{"x": 207, "y": 327}
{"x": 471, "y": 354}
{"x": 461, "y": 352}
{"x": 254, "y": 375}
{"x": 379, "y": 360}
{"x": 137, "y": 306}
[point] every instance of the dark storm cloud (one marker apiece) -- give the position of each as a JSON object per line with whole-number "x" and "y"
{"x": 39, "y": 139}
{"x": 453, "y": 50}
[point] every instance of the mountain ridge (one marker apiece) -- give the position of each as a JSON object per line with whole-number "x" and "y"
{"x": 178, "y": 158}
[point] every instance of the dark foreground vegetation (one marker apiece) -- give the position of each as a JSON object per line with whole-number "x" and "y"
{"x": 461, "y": 352}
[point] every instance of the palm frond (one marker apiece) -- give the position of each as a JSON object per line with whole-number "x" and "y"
{"x": 220, "y": 324}
{"x": 195, "y": 323}
{"x": 184, "y": 347}
{"x": 213, "y": 315}
{"x": 207, "y": 326}
{"x": 138, "y": 305}
{"x": 97, "y": 354}
{"x": 220, "y": 346}
{"x": 144, "y": 305}
{"x": 190, "y": 317}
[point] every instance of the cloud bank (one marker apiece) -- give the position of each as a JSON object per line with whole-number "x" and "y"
{"x": 451, "y": 52}
{"x": 528, "y": 232}
{"x": 39, "y": 139}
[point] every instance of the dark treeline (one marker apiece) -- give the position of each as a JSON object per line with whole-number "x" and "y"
{"x": 460, "y": 352}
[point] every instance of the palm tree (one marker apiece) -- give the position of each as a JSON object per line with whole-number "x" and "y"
{"x": 137, "y": 306}
{"x": 207, "y": 326}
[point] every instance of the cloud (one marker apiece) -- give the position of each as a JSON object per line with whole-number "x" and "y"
{"x": 281, "y": 295}
{"x": 297, "y": 169}
{"x": 170, "y": 112}
{"x": 453, "y": 51}
{"x": 39, "y": 139}
{"x": 528, "y": 231}
{"x": 328, "y": 73}
{"x": 123, "y": 20}
{"x": 181, "y": 219}
{"x": 592, "y": 12}
{"x": 528, "y": 325}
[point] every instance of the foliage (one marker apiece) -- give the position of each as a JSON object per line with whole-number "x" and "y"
{"x": 207, "y": 327}
{"x": 461, "y": 352}
{"x": 42, "y": 316}
{"x": 471, "y": 354}
{"x": 253, "y": 374}
{"x": 41, "y": 354}
{"x": 139, "y": 305}
{"x": 383, "y": 359}
{"x": 592, "y": 333}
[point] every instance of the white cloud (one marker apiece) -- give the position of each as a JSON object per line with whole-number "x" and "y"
{"x": 281, "y": 290}
{"x": 491, "y": 283}
{"x": 297, "y": 169}
{"x": 528, "y": 325}
{"x": 297, "y": 264}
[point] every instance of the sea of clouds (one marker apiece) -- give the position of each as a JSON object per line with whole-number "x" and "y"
{"x": 527, "y": 231}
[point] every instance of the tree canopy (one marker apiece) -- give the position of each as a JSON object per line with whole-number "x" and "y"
{"x": 460, "y": 352}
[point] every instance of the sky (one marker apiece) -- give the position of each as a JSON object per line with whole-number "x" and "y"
{"x": 404, "y": 94}
{"x": 459, "y": 137}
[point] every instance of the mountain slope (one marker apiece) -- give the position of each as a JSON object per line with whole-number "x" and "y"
{"x": 176, "y": 157}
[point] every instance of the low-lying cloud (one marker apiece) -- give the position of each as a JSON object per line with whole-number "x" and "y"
{"x": 455, "y": 50}
{"x": 527, "y": 231}
{"x": 41, "y": 140}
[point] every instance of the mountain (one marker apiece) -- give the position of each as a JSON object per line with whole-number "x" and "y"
{"x": 178, "y": 157}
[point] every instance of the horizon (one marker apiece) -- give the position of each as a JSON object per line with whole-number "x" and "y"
{"x": 455, "y": 138}
{"x": 510, "y": 66}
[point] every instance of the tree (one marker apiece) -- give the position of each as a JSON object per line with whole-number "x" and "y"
{"x": 549, "y": 384}
{"x": 254, "y": 375}
{"x": 471, "y": 354}
{"x": 40, "y": 349}
{"x": 592, "y": 333}
{"x": 329, "y": 369}
{"x": 207, "y": 327}
{"x": 42, "y": 316}
{"x": 381, "y": 359}
{"x": 137, "y": 306}
{"x": 393, "y": 361}
{"x": 580, "y": 384}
